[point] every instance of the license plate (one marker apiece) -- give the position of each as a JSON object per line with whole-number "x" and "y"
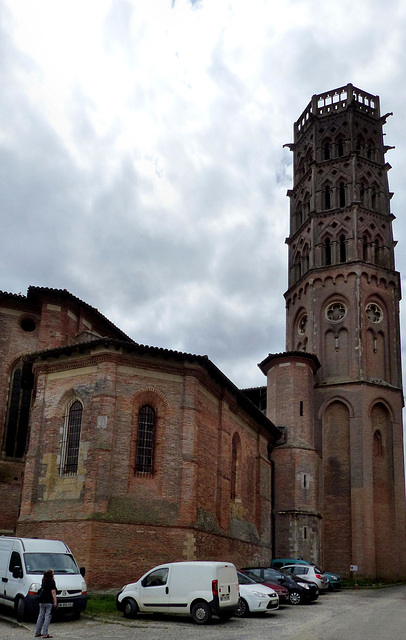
{"x": 65, "y": 604}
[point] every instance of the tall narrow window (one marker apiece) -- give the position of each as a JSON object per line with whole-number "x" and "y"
{"x": 327, "y": 250}
{"x": 145, "y": 440}
{"x": 327, "y": 196}
{"x": 340, "y": 148}
{"x": 71, "y": 442}
{"x": 327, "y": 150}
{"x": 365, "y": 245}
{"x": 18, "y": 412}
{"x": 342, "y": 194}
{"x": 233, "y": 491}
{"x": 343, "y": 249}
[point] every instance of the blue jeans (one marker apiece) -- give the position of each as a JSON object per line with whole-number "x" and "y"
{"x": 44, "y": 618}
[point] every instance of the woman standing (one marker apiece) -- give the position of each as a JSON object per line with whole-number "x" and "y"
{"x": 47, "y": 600}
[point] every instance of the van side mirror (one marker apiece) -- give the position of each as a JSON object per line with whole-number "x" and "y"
{"x": 17, "y": 572}
{"x": 82, "y": 571}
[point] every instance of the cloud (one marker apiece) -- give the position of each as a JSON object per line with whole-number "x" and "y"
{"x": 142, "y": 162}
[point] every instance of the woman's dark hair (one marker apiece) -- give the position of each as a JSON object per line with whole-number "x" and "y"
{"x": 48, "y": 575}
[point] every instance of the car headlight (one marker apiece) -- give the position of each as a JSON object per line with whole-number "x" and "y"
{"x": 303, "y": 584}
{"x": 261, "y": 595}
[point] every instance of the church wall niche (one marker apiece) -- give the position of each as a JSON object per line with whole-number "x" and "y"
{"x": 383, "y": 471}
{"x": 337, "y": 487}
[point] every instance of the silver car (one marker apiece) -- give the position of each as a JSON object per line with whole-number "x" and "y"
{"x": 308, "y": 572}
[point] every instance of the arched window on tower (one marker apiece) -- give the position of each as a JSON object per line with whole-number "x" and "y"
{"x": 343, "y": 248}
{"x": 340, "y": 148}
{"x": 374, "y": 199}
{"x": 145, "y": 440}
{"x": 362, "y": 193}
{"x": 327, "y": 251}
{"x": 365, "y": 248}
{"x": 235, "y": 450}
{"x": 18, "y": 411}
{"x": 327, "y": 197}
{"x": 326, "y": 150}
{"x": 71, "y": 439}
{"x": 342, "y": 194}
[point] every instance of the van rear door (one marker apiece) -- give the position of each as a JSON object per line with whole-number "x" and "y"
{"x": 154, "y": 591}
{"x": 227, "y": 585}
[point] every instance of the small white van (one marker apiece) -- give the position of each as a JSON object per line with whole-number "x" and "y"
{"x": 23, "y": 562}
{"x": 199, "y": 589}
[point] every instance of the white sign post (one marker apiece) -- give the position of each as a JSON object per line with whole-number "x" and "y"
{"x": 354, "y": 569}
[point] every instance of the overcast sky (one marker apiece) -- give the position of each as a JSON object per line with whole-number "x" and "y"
{"x": 141, "y": 155}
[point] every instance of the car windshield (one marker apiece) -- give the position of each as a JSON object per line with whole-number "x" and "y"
{"x": 253, "y": 577}
{"x": 243, "y": 579}
{"x": 41, "y": 562}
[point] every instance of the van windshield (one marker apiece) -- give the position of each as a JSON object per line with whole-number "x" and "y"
{"x": 41, "y": 562}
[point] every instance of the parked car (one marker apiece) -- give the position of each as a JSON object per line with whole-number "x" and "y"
{"x": 254, "y": 597}
{"x": 199, "y": 589}
{"x": 300, "y": 591}
{"x": 333, "y": 578}
{"x": 283, "y": 592}
{"x": 308, "y": 572}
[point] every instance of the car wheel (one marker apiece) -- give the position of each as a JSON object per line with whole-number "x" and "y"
{"x": 295, "y": 597}
{"x": 130, "y": 608}
{"x": 242, "y": 609}
{"x": 21, "y": 610}
{"x": 201, "y": 613}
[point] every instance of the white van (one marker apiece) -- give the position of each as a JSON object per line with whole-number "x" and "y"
{"x": 199, "y": 589}
{"x": 23, "y": 562}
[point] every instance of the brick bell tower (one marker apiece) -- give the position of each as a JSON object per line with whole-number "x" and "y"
{"x": 342, "y": 307}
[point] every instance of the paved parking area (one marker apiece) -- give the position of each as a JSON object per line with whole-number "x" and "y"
{"x": 348, "y": 615}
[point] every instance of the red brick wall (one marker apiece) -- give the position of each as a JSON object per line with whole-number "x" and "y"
{"x": 110, "y": 514}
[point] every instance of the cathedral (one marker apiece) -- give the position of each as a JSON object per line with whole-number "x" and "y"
{"x": 127, "y": 450}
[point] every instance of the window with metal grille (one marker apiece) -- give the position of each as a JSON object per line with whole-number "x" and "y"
{"x": 71, "y": 442}
{"x": 18, "y": 412}
{"x": 145, "y": 440}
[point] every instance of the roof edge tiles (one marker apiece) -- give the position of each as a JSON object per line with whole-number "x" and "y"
{"x": 290, "y": 355}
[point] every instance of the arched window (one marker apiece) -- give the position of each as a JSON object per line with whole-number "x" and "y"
{"x": 343, "y": 248}
{"x": 234, "y": 467}
{"x": 145, "y": 440}
{"x": 327, "y": 251}
{"x": 365, "y": 245}
{"x": 18, "y": 412}
{"x": 327, "y": 196}
{"x": 340, "y": 148}
{"x": 326, "y": 150}
{"x": 342, "y": 194}
{"x": 71, "y": 441}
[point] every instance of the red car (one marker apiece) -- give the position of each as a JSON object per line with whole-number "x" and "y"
{"x": 282, "y": 591}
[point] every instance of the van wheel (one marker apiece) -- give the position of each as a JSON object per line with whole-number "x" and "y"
{"x": 242, "y": 609}
{"x": 201, "y": 613}
{"x": 130, "y": 608}
{"x": 21, "y": 610}
{"x": 295, "y": 597}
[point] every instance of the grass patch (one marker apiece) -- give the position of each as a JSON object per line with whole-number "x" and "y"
{"x": 362, "y": 583}
{"x": 101, "y": 604}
